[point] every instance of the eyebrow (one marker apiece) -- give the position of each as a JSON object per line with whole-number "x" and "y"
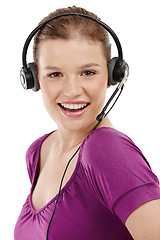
{"x": 51, "y": 68}
{"x": 90, "y": 65}
{"x": 81, "y": 67}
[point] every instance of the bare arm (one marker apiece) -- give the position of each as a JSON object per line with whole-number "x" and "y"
{"x": 144, "y": 222}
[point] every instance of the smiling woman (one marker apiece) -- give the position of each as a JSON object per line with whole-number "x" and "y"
{"x": 107, "y": 189}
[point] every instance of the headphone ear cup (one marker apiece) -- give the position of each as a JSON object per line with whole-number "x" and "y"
{"x": 111, "y": 67}
{"x": 116, "y": 70}
{"x": 34, "y": 71}
{"x": 29, "y": 77}
{"x": 26, "y": 78}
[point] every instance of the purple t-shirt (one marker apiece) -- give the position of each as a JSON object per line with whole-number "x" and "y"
{"x": 111, "y": 179}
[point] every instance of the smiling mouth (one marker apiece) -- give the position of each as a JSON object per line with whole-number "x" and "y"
{"x": 73, "y": 107}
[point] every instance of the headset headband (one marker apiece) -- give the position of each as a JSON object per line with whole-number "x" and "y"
{"x": 117, "y": 67}
{"x": 28, "y": 40}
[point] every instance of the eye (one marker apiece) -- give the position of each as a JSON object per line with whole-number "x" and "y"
{"x": 55, "y": 75}
{"x": 88, "y": 73}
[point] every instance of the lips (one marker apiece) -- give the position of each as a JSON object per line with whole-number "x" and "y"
{"x": 73, "y": 109}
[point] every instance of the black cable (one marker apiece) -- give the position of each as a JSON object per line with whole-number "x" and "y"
{"x": 60, "y": 190}
{"x": 105, "y": 114}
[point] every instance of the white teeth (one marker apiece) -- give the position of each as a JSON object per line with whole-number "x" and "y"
{"x": 74, "y": 106}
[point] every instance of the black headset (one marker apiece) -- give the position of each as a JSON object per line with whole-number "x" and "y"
{"x": 117, "y": 67}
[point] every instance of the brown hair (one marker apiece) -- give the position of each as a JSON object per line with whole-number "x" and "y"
{"x": 69, "y": 26}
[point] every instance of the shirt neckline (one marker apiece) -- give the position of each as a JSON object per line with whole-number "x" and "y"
{"x": 72, "y": 176}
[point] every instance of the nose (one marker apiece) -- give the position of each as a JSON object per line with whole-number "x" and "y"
{"x": 72, "y": 87}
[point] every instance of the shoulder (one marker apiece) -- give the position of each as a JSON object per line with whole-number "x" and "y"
{"x": 32, "y": 155}
{"x": 115, "y": 165}
{"x": 109, "y": 146}
{"x": 106, "y": 137}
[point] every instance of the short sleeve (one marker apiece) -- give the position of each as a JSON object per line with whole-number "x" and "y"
{"x": 118, "y": 172}
{"x": 32, "y": 156}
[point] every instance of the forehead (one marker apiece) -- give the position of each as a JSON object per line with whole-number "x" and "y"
{"x": 77, "y": 49}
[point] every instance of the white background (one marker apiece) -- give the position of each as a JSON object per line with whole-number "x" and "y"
{"x": 23, "y": 117}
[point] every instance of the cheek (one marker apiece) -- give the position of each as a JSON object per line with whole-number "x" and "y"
{"x": 98, "y": 91}
{"x": 49, "y": 94}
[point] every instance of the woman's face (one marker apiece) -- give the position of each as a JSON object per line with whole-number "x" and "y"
{"x": 73, "y": 79}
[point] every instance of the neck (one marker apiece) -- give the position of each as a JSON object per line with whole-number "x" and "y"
{"x": 71, "y": 139}
{"x": 67, "y": 140}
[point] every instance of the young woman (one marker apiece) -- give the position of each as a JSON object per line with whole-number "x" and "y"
{"x": 109, "y": 191}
